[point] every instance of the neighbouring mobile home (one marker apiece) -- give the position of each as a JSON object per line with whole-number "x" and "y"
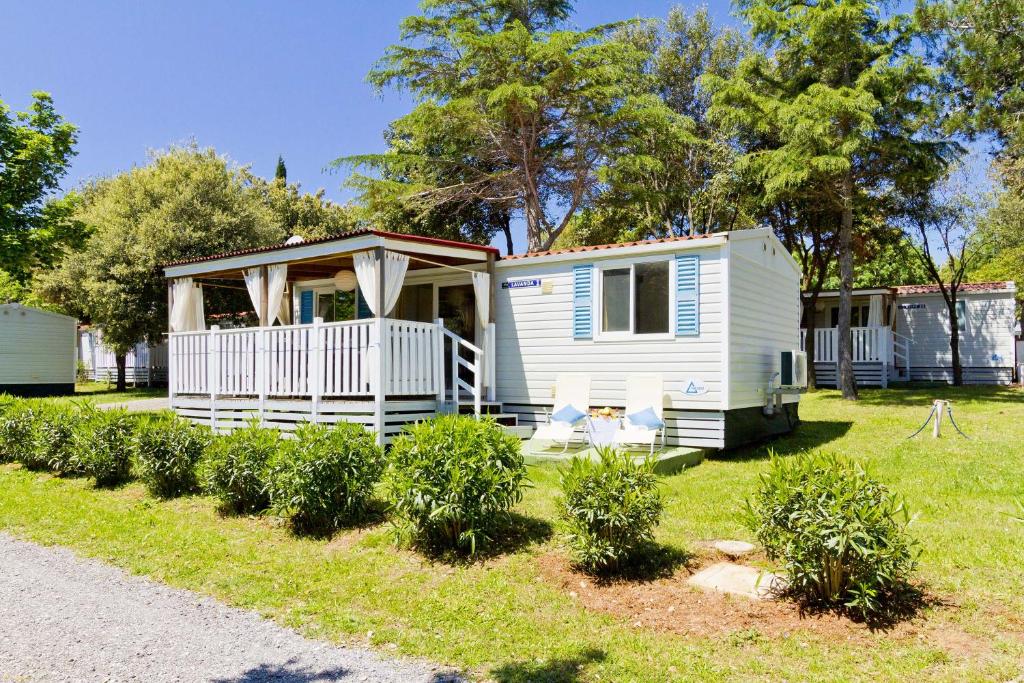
{"x": 37, "y": 352}
{"x": 901, "y": 334}
{"x": 385, "y": 329}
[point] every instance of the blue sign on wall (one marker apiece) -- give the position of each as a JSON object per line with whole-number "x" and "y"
{"x": 519, "y": 284}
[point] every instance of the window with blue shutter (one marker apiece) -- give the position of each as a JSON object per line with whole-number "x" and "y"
{"x": 687, "y": 295}
{"x": 582, "y": 302}
{"x": 306, "y": 307}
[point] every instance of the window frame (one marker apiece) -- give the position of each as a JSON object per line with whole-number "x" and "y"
{"x": 597, "y": 306}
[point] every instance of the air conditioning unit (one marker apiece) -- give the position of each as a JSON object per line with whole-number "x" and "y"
{"x": 793, "y": 374}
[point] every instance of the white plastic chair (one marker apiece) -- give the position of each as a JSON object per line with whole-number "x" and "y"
{"x": 570, "y": 390}
{"x": 642, "y": 392}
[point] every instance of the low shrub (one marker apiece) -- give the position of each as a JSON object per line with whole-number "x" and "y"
{"x": 839, "y": 534}
{"x": 450, "y": 480}
{"x": 236, "y": 467}
{"x": 609, "y": 508}
{"x": 55, "y": 426}
{"x": 18, "y": 432}
{"x": 325, "y": 476}
{"x": 167, "y": 450}
{"x": 103, "y": 444}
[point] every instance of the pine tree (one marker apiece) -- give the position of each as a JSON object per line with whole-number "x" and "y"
{"x": 281, "y": 172}
{"x": 843, "y": 103}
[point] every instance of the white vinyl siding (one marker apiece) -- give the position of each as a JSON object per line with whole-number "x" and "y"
{"x": 36, "y": 347}
{"x": 986, "y": 342}
{"x": 764, "y": 295}
{"x": 535, "y": 341}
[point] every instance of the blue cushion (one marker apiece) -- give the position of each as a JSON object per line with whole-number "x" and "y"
{"x": 569, "y": 414}
{"x": 646, "y": 418}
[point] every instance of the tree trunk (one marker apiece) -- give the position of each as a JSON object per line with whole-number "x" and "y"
{"x": 122, "y": 381}
{"x": 506, "y": 227}
{"x": 954, "y": 340}
{"x": 847, "y": 383}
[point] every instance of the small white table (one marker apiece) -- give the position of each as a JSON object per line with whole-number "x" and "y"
{"x": 602, "y": 430}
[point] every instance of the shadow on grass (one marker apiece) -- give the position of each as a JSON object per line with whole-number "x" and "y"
{"x": 513, "y": 534}
{"x": 923, "y": 393}
{"x": 808, "y": 435}
{"x": 561, "y": 670}
{"x": 289, "y": 672}
{"x": 902, "y": 605}
{"x": 375, "y": 514}
{"x": 651, "y": 562}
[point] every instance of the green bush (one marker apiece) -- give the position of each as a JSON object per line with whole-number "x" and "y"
{"x": 236, "y": 467}
{"x": 839, "y": 534}
{"x": 103, "y": 444}
{"x": 167, "y": 450}
{"x": 55, "y": 426}
{"x": 609, "y": 508}
{"x": 450, "y": 480}
{"x": 18, "y": 433}
{"x": 325, "y": 476}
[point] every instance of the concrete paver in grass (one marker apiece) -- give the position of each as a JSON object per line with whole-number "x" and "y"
{"x": 139, "y": 405}
{"x": 738, "y": 579}
{"x": 667, "y": 460}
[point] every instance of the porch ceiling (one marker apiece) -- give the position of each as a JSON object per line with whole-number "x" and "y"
{"x": 321, "y": 258}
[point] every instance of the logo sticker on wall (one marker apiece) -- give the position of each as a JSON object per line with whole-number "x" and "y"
{"x": 910, "y": 307}
{"x": 694, "y": 387}
{"x": 520, "y": 284}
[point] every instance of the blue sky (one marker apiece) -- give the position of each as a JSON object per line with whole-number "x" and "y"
{"x": 252, "y": 79}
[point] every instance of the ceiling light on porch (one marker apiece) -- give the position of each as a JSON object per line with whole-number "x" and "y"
{"x": 345, "y": 280}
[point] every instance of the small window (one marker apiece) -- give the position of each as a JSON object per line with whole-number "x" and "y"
{"x": 635, "y": 299}
{"x": 615, "y": 300}
{"x": 961, "y": 315}
{"x": 650, "y": 315}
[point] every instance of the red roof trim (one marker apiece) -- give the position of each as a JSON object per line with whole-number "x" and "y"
{"x": 343, "y": 236}
{"x": 964, "y": 287}
{"x": 599, "y": 247}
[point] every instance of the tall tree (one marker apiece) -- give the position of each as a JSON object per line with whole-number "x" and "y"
{"x": 545, "y": 107}
{"x": 845, "y": 98}
{"x": 36, "y": 147}
{"x": 678, "y": 175}
{"x": 980, "y": 44}
{"x": 999, "y": 252}
{"x": 281, "y": 171}
{"x": 185, "y": 203}
{"x": 942, "y": 225}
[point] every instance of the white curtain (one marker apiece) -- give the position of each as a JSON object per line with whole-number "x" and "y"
{"x": 182, "y": 308}
{"x": 395, "y": 266}
{"x": 875, "y": 310}
{"x": 482, "y": 292}
{"x": 254, "y": 283}
{"x": 277, "y": 277}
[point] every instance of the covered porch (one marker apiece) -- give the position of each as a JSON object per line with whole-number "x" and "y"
{"x": 371, "y": 327}
{"x": 880, "y": 355}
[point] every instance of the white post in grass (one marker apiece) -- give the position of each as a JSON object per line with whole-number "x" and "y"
{"x": 937, "y": 428}
{"x": 213, "y": 372}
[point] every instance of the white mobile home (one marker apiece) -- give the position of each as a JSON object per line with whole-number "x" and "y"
{"x": 446, "y": 326}
{"x": 144, "y": 364}
{"x": 901, "y": 334}
{"x": 37, "y": 352}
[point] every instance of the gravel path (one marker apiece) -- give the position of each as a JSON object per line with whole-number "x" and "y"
{"x": 63, "y": 618}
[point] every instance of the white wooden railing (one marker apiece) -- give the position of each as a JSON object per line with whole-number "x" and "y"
{"x": 325, "y": 361}
{"x": 869, "y": 344}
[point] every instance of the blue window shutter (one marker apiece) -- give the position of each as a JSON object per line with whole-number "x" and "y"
{"x": 306, "y": 307}
{"x": 582, "y": 302}
{"x": 362, "y": 308}
{"x": 687, "y": 296}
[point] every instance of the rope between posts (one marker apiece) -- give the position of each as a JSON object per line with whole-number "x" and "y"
{"x": 926, "y": 421}
{"x": 949, "y": 411}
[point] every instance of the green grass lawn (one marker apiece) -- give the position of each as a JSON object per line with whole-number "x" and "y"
{"x": 507, "y": 619}
{"x": 101, "y": 392}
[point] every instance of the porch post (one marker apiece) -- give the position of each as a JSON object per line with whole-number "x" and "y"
{"x": 490, "y": 343}
{"x": 264, "y": 304}
{"x": 439, "y": 375}
{"x": 316, "y": 382}
{"x": 382, "y": 346}
{"x": 170, "y": 348}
